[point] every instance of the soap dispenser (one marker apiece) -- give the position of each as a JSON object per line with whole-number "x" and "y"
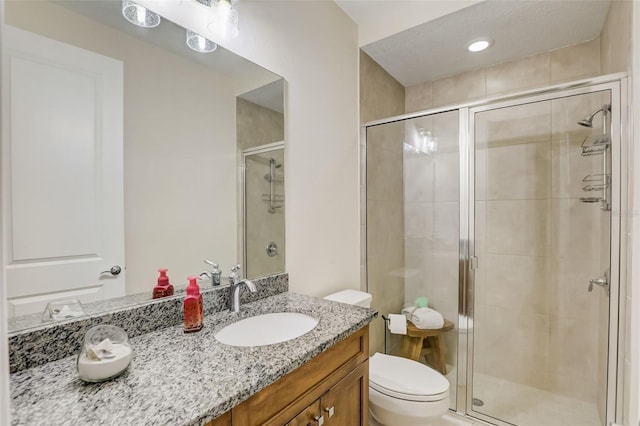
{"x": 193, "y": 307}
{"x": 164, "y": 287}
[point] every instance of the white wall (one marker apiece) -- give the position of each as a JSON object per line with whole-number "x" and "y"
{"x": 314, "y": 46}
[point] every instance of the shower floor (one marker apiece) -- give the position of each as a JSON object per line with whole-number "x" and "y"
{"x": 527, "y": 406}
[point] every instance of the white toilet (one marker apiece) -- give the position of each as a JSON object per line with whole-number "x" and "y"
{"x": 402, "y": 392}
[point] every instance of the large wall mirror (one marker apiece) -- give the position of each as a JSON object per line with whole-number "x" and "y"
{"x": 122, "y": 148}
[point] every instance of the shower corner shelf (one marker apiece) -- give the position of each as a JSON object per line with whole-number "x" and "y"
{"x": 595, "y": 145}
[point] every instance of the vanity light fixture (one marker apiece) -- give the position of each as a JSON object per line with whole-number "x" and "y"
{"x": 139, "y": 15}
{"x": 225, "y": 19}
{"x": 480, "y": 45}
{"x": 200, "y": 44}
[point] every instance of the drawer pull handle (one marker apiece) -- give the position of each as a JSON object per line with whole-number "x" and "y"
{"x": 330, "y": 411}
{"x": 319, "y": 420}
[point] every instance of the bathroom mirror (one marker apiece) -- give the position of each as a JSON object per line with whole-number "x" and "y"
{"x": 93, "y": 103}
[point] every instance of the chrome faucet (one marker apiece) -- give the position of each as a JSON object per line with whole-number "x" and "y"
{"x": 213, "y": 275}
{"x": 236, "y": 281}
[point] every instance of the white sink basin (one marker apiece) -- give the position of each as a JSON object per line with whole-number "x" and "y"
{"x": 266, "y": 329}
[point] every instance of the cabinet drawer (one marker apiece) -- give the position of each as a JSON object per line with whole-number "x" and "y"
{"x": 280, "y": 402}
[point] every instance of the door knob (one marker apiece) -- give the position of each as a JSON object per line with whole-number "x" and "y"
{"x": 115, "y": 270}
{"x": 330, "y": 411}
{"x": 319, "y": 420}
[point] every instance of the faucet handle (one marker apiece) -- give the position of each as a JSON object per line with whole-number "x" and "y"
{"x": 237, "y": 269}
{"x": 209, "y": 262}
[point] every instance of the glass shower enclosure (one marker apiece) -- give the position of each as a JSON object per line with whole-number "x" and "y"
{"x": 505, "y": 215}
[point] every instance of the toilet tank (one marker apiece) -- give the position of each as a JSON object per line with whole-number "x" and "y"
{"x": 352, "y": 297}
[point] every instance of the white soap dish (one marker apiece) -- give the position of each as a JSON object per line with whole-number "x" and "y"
{"x": 61, "y": 310}
{"x": 105, "y": 354}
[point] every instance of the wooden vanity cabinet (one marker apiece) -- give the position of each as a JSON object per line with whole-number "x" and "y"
{"x": 345, "y": 404}
{"x": 331, "y": 389}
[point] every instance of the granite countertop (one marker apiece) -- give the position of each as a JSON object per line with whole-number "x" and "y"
{"x": 177, "y": 378}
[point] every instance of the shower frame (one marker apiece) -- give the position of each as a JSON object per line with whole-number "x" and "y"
{"x": 467, "y": 263}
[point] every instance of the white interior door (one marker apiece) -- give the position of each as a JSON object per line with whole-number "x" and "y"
{"x": 62, "y": 155}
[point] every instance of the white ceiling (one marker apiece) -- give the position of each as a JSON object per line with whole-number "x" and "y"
{"x": 519, "y": 28}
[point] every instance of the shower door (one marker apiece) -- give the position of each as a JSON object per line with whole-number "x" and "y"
{"x": 263, "y": 210}
{"x": 541, "y": 228}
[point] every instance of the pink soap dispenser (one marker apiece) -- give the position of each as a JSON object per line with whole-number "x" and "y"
{"x": 193, "y": 307}
{"x": 164, "y": 287}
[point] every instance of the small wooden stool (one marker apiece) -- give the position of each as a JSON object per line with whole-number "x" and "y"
{"x": 422, "y": 342}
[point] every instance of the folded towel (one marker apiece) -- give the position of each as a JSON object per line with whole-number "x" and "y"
{"x": 424, "y": 318}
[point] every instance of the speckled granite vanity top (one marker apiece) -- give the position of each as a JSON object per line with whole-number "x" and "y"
{"x": 177, "y": 378}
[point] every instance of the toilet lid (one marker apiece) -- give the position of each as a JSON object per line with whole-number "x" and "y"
{"x": 406, "y": 379}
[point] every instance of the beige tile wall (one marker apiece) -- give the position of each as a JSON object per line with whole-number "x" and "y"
{"x": 263, "y": 226}
{"x": 531, "y": 230}
{"x": 542, "y": 245}
{"x": 382, "y": 96}
{"x": 257, "y": 125}
{"x": 564, "y": 64}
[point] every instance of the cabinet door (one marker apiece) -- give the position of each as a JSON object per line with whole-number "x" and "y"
{"x": 223, "y": 420}
{"x": 309, "y": 417}
{"x": 347, "y": 403}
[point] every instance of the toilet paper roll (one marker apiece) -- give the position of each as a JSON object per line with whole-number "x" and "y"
{"x": 397, "y": 324}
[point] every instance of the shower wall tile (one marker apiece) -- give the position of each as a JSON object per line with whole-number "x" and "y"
{"x": 573, "y": 347}
{"x": 461, "y": 87}
{"x": 520, "y": 283}
{"x": 447, "y": 128}
{"x": 569, "y": 295}
{"x": 380, "y": 94}
{"x": 386, "y": 284}
{"x": 527, "y": 123}
{"x": 531, "y": 71}
{"x": 447, "y": 176}
{"x": 418, "y": 220}
{"x": 418, "y": 97}
{"x": 517, "y": 352}
{"x": 418, "y": 178}
{"x": 577, "y": 61}
{"x": 519, "y": 227}
{"x": 575, "y": 229}
{"x": 519, "y": 171}
{"x": 384, "y": 162}
{"x": 446, "y": 226}
{"x": 616, "y": 38}
{"x": 385, "y": 223}
{"x": 443, "y": 290}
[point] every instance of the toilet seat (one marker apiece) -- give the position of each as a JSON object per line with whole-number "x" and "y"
{"x": 406, "y": 379}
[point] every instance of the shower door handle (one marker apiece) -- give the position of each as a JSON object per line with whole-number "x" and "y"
{"x": 602, "y": 282}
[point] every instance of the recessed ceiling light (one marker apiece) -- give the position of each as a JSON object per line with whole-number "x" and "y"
{"x": 479, "y": 45}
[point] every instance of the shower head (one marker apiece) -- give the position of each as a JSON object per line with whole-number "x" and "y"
{"x": 588, "y": 120}
{"x": 275, "y": 163}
